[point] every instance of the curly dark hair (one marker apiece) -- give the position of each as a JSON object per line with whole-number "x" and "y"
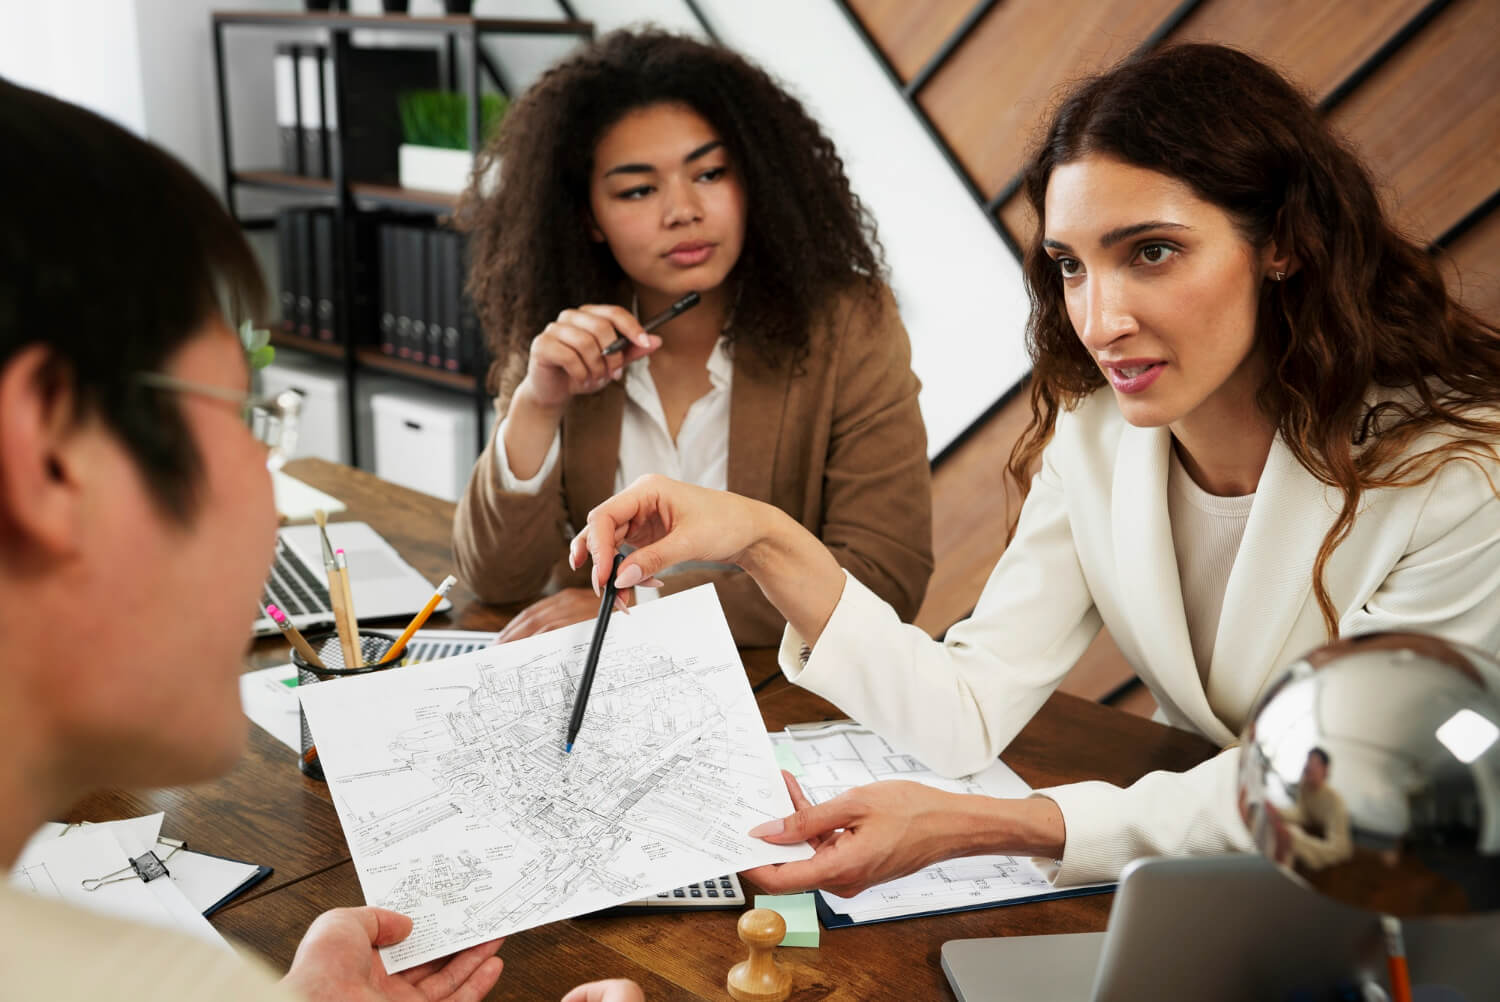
{"x": 1365, "y": 308}
{"x": 807, "y": 235}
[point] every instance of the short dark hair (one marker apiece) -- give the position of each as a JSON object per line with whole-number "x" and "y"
{"x": 1322, "y": 755}
{"x": 114, "y": 255}
{"x": 808, "y": 237}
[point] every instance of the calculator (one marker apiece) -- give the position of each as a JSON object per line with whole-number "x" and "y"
{"x": 719, "y": 892}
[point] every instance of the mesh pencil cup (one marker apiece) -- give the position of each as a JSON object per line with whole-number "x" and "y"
{"x": 373, "y": 647}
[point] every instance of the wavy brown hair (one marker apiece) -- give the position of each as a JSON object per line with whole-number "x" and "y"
{"x": 1364, "y": 309}
{"x": 807, "y": 235}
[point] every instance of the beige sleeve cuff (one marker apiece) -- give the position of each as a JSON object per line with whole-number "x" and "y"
{"x": 508, "y": 480}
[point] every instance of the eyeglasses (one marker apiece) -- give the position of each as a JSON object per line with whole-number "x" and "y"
{"x": 273, "y": 420}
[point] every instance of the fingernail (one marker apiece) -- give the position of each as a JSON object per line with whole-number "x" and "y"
{"x": 617, "y": 375}
{"x": 620, "y": 605}
{"x": 629, "y": 576}
{"x": 766, "y": 828}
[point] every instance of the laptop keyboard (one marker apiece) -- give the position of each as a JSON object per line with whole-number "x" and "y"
{"x": 293, "y": 585}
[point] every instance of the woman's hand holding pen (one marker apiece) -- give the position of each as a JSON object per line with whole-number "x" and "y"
{"x": 566, "y": 359}
{"x": 671, "y": 522}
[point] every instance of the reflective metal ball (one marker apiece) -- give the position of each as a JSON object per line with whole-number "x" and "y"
{"x": 1370, "y": 770}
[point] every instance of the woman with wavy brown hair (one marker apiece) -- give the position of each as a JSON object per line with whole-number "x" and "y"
{"x": 1259, "y": 421}
{"x": 645, "y": 167}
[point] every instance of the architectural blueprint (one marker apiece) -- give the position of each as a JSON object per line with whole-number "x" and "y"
{"x": 462, "y": 810}
{"x": 828, "y": 759}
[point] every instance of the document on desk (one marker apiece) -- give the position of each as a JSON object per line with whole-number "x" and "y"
{"x": 57, "y": 866}
{"x": 831, "y": 758}
{"x": 462, "y": 810}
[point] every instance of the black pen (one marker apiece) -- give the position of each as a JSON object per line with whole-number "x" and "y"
{"x": 681, "y": 306}
{"x": 606, "y": 606}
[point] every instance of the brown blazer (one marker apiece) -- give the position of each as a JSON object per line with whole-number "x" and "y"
{"x": 839, "y": 445}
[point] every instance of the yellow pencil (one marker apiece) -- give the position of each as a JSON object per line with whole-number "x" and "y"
{"x": 421, "y": 617}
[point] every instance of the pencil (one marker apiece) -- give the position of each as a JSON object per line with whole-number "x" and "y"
{"x": 353, "y": 655}
{"x": 420, "y": 618}
{"x": 681, "y": 306}
{"x": 294, "y": 636}
{"x": 596, "y": 645}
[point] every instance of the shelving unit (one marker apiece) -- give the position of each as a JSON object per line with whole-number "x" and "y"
{"x": 357, "y": 349}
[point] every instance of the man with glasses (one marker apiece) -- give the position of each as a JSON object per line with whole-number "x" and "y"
{"x": 137, "y": 526}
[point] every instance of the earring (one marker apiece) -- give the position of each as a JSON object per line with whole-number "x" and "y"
{"x": 1277, "y": 276}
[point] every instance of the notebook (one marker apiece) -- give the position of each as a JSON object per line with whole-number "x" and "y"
{"x": 384, "y": 585}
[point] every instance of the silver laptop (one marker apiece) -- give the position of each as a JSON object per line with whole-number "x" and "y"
{"x": 1223, "y": 928}
{"x": 383, "y": 584}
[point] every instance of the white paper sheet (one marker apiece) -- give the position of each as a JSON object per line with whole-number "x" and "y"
{"x": 296, "y": 499}
{"x": 204, "y": 880}
{"x": 462, "y": 810}
{"x": 56, "y": 867}
{"x": 827, "y": 760}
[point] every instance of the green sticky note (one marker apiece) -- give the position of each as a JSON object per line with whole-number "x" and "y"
{"x": 786, "y": 758}
{"x": 801, "y": 916}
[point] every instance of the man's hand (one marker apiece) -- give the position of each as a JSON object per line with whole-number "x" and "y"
{"x": 337, "y": 962}
{"x": 862, "y": 837}
{"x": 613, "y": 990}
{"x": 562, "y": 608}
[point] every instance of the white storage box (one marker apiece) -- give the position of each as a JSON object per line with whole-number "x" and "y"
{"x": 425, "y": 440}
{"x": 325, "y": 419}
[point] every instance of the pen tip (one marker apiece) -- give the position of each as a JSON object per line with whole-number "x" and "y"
{"x": 569, "y": 749}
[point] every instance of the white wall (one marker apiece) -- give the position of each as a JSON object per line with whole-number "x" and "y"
{"x": 148, "y": 64}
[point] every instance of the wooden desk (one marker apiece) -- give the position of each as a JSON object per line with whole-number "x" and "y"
{"x": 267, "y": 811}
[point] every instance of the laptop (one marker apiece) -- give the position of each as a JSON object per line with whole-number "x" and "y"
{"x": 383, "y": 584}
{"x": 1224, "y": 928}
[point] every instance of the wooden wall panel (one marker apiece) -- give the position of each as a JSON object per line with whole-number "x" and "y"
{"x": 988, "y": 99}
{"x": 1473, "y": 267}
{"x": 910, "y": 33}
{"x": 1317, "y": 45}
{"x": 1428, "y": 123}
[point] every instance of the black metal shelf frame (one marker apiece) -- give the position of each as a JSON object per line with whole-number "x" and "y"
{"x": 347, "y": 200}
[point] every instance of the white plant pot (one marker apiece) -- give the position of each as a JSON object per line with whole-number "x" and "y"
{"x": 430, "y": 168}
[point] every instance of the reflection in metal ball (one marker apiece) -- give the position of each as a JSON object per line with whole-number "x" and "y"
{"x": 1371, "y": 771}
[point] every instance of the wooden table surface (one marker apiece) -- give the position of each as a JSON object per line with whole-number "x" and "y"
{"x": 266, "y": 811}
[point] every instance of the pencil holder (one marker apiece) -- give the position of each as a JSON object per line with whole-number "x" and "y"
{"x": 374, "y": 648}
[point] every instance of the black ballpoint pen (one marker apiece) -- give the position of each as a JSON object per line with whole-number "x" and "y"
{"x": 590, "y": 663}
{"x": 681, "y": 306}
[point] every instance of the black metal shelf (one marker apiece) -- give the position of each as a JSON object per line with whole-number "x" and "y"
{"x": 350, "y": 198}
{"x": 446, "y": 24}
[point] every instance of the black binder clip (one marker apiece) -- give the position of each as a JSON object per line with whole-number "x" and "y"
{"x": 147, "y": 866}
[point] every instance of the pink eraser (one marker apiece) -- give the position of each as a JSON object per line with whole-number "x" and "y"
{"x": 277, "y": 616}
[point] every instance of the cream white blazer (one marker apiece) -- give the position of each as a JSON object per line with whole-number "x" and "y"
{"x": 1094, "y": 548}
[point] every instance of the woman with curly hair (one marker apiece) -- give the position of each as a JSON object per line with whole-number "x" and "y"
{"x": 645, "y": 167}
{"x": 1259, "y": 421}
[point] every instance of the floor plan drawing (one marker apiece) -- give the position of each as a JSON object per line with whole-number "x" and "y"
{"x": 828, "y": 759}
{"x": 463, "y": 811}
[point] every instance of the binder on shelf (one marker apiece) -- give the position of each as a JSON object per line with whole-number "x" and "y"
{"x": 436, "y": 294}
{"x": 453, "y": 291}
{"x": 402, "y": 243}
{"x": 303, "y": 256}
{"x": 323, "y": 275}
{"x": 286, "y": 253}
{"x": 386, "y": 238}
{"x": 310, "y": 96}
{"x": 330, "y": 131}
{"x": 416, "y": 276}
{"x": 285, "y": 75}
{"x": 472, "y": 355}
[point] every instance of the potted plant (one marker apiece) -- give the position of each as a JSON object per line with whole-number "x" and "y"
{"x": 434, "y": 123}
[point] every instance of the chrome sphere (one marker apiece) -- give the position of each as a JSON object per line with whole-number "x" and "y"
{"x": 1370, "y": 770}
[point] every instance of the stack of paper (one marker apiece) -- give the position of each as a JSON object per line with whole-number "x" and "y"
{"x": 828, "y": 759}
{"x": 58, "y": 859}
